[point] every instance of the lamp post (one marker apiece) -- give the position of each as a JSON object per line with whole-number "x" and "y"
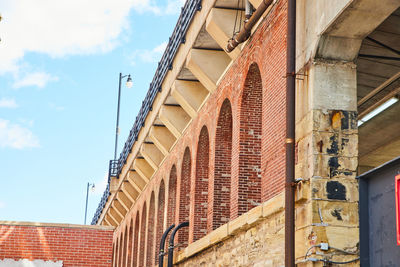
{"x": 129, "y": 84}
{"x": 87, "y": 197}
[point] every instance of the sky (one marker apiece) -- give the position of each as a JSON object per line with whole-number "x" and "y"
{"x": 59, "y": 70}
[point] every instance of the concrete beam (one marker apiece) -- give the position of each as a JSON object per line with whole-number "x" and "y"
{"x": 339, "y": 41}
{"x": 219, "y": 25}
{"x": 105, "y": 222}
{"x": 175, "y": 118}
{"x": 162, "y": 138}
{"x": 190, "y": 95}
{"x": 255, "y": 3}
{"x": 124, "y": 200}
{"x": 136, "y": 180}
{"x": 208, "y": 66}
{"x": 114, "y": 185}
{"x": 110, "y": 220}
{"x": 119, "y": 208}
{"x": 144, "y": 169}
{"x": 114, "y": 215}
{"x": 152, "y": 155}
{"x": 130, "y": 192}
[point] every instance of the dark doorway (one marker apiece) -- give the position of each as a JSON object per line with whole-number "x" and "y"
{"x": 378, "y": 244}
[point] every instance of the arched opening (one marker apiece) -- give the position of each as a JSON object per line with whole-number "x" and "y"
{"x": 117, "y": 252}
{"x": 135, "y": 242}
{"x": 142, "y": 236}
{"x": 130, "y": 243}
{"x": 171, "y": 197}
{"x": 222, "y": 168}
{"x": 201, "y": 186}
{"x": 249, "y": 187}
{"x": 121, "y": 249}
{"x": 150, "y": 233}
{"x": 113, "y": 256}
{"x": 160, "y": 218}
{"x": 124, "y": 252}
{"x": 184, "y": 200}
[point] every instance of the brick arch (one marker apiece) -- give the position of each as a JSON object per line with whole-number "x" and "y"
{"x": 249, "y": 184}
{"x": 142, "y": 236}
{"x": 222, "y": 166}
{"x": 124, "y": 251}
{"x": 121, "y": 249}
{"x": 184, "y": 199}
{"x": 136, "y": 242}
{"x": 130, "y": 243}
{"x": 150, "y": 232}
{"x": 172, "y": 183}
{"x": 115, "y": 253}
{"x": 160, "y": 218}
{"x": 200, "y": 205}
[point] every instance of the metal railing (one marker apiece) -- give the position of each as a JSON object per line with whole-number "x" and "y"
{"x": 178, "y": 37}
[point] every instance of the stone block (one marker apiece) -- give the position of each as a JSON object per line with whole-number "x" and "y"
{"x": 197, "y": 246}
{"x": 335, "y": 213}
{"x": 319, "y": 188}
{"x": 254, "y": 215}
{"x": 273, "y": 205}
{"x": 219, "y": 234}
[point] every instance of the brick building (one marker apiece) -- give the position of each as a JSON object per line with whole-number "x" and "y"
{"x": 209, "y": 144}
{"x": 45, "y": 244}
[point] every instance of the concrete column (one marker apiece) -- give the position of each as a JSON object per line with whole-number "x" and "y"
{"x": 327, "y": 150}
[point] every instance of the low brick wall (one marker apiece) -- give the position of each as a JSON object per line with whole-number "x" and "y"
{"x": 74, "y": 245}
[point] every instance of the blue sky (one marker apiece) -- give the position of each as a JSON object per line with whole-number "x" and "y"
{"x": 59, "y": 67}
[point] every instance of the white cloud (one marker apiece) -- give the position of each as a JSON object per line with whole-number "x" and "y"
{"x": 16, "y": 136}
{"x": 2, "y": 204}
{"x": 59, "y": 28}
{"x": 174, "y": 6}
{"x": 56, "y": 107}
{"x": 8, "y": 103}
{"x": 38, "y": 79}
{"x": 149, "y": 56}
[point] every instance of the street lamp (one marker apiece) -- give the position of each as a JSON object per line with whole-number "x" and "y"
{"x": 87, "y": 196}
{"x": 129, "y": 84}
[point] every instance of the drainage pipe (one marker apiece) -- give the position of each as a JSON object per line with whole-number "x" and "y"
{"x": 171, "y": 243}
{"x": 162, "y": 245}
{"x": 290, "y": 134}
{"x": 244, "y": 33}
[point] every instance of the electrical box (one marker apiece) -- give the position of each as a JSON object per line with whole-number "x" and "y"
{"x": 397, "y": 185}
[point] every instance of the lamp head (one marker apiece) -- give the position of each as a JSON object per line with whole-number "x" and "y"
{"x": 129, "y": 82}
{"x": 93, "y": 187}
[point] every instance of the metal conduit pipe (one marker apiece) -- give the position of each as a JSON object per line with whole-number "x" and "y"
{"x": 162, "y": 245}
{"x": 171, "y": 243}
{"x": 244, "y": 33}
{"x": 248, "y": 11}
{"x": 290, "y": 134}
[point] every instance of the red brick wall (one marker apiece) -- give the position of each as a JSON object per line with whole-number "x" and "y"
{"x": 160, "y": 218}
{"x": 150, "y": 233}
{"x": 75, "y": 246}
{"x": 130, "y": 243}
{"x": 261, "y": 68}
{"x": 142, "y": 236}
{"x": 184, "y": 198}
{"x": 221, "y": 187}
{"x": 171, "y": 204}
{"x": 199, "y": 203}
{"x": 136, "y": 241}
{"x": 249, "y": 184}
